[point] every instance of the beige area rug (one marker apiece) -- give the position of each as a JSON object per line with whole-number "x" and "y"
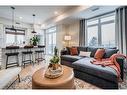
{"x": 26, "y": 83}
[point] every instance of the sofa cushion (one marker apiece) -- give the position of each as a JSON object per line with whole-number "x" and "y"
{"x": 92, "y": 50}
{"x": 82, "y": 49}
{"x": 70, "y": 58}
{"x": 68, "y": 50}
{"x": 110, "y": 52}
{"x": 85, "y": 66}
{"x": 84, "y": 54}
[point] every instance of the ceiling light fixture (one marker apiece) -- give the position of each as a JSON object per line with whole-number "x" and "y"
{"x": 13, "y": 21}
{"x": 33, "y": 24}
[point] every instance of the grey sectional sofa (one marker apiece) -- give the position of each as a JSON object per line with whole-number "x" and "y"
{"x": 104, "y": 77}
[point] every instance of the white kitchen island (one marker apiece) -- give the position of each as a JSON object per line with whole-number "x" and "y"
{"x": 12, "y": 59}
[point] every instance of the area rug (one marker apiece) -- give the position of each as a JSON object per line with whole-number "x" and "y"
{"x": 26, "y": 83}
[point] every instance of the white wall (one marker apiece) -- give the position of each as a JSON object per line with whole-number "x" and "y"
{"x": 27, "y": 27}
{"x": 1, "y": 35}
{"x": 74, "y": 32}
{"x": 71, "y": 29}
{"x": 61, "y": 31}
{"x": 9, "y": 22}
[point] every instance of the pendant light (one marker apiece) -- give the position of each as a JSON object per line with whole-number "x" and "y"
{"x": 13, "y": 21}
{"x": 33, "y": 24}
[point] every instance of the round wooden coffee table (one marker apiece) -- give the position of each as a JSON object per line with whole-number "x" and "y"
{"x": 65, "y": 81}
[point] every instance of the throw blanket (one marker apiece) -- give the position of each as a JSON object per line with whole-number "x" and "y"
{"x": 111, "y": 62}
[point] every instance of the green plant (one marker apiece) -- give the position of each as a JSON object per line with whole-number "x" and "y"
{"x": 55, "y": 58}
{"x": 34, "y": 40}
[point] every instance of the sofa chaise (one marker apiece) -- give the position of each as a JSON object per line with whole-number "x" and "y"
{"x": 104, "y": 77}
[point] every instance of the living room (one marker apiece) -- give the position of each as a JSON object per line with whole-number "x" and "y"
{"x": 57, "y": 47}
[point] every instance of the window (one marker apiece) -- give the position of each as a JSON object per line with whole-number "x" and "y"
{"x": 41, "y": 35}
{"x": 101, "y": 31}
{"x": 93, "y": 36}
{"x": 92, "y": 22}
{"x": 108, "y": 34}
{"x": 20, "y": 39}
{"x": 10, "y": 39}
{"x": 14, "y": 36}
{"x": 50, "y": 40}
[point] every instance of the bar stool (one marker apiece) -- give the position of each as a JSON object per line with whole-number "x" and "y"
{"x": 39, "y": 54}
{"x": 26, "y": 53}
{"x": 12, "y": 52}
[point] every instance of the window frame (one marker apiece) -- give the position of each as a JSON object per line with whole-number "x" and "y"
{"x": 48, "y": 32}
{"x": 15, "y": 33}
{"x": 99, "y": 25}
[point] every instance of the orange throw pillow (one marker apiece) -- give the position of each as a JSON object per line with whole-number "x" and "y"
{"x": 73, "y": 51}
{"x": 99, "y": 53}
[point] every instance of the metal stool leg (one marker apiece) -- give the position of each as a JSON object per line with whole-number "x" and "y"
{"x": 17, "y": 60}
{"x": 35, "y": 56}
{"x": 19, "y": 77}
{"x": 24, "y": 60}
{"x": 32, "y": 59}
{"x": 6, "y": 62}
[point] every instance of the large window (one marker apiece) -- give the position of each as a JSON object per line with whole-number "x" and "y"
{"x": 108, "y": 34}
{"x": 101, "y": 31}
{"x": 93, "y": 36}
{"x": 14, "y": 36}
{"x": 50, "y": 40}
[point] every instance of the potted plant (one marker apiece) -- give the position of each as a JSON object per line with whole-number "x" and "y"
{"x": 34, "y": 40}
{"x": 54, "y": 62}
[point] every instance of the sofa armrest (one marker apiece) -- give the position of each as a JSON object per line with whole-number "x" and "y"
{"x": 63, "y": 52}
{"x": 120, "y": 61}
{"x": 7, "y": 75}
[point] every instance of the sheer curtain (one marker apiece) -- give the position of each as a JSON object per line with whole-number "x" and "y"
{"x": 121, "y": 29}
{"x": 82, "y": 33}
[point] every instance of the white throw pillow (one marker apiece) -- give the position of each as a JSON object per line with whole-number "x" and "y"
{"x": 83, "y": 53}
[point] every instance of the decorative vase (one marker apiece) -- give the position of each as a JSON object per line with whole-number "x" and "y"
{"x": 55, "y": 66}
{"x": 35, "y": 43}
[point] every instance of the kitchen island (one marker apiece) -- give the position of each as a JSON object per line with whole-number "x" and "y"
{"x": 12, "y": 59}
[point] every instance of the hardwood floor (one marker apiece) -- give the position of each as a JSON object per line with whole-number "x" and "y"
{"x": 30, "y": 69}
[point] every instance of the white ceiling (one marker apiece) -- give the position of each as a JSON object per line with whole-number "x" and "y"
{"x": 42, "y": 12}
{"x": 95, "y": 11}
{"x": 88, "y": 13}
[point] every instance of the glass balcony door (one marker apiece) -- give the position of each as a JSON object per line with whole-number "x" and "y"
{"x": 50, "y": 41}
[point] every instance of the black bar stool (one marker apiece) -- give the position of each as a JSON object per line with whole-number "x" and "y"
{"x": 26, "y": 53}
{"x": 39, "y": 53}
{"x": 11, "y": 51}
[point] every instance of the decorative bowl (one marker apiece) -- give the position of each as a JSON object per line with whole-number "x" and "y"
{"x": 50, "y": 73}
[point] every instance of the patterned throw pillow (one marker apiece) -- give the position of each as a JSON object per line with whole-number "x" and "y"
{"x": 73, "y": 51}
{"x": 99, "y": 53}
